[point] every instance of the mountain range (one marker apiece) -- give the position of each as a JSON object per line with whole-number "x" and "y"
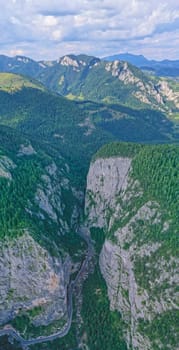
{"x": 88, "y": 224}
{"x": 165, "y": 68}
{"x": 85, "y": 78}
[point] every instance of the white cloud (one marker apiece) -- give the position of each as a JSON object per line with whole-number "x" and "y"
{"x": 51, "y": 28}
{"x": 15, "y": 52}
{"x": 48, "y": 21}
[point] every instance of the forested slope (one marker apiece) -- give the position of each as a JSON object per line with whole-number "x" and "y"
{"x": 133, "y": 196}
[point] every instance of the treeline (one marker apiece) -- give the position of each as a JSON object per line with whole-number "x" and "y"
{"x": 118, "y": 149}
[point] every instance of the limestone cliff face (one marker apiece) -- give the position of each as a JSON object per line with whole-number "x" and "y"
{"x": 6, "y": 164}
{"x": 147, "y": 91}
{"x": 106, "y": 178}
{"x": 55, "y": 196}
{"x": 31, "y": 278}
{"x": 141, "y": 280}
{"x": 35, "y": 267}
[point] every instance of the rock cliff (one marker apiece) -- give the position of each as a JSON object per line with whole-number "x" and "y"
{"x": 35, "y": 264}
{"x": 140, "y": 272}
{"x": 31, "y": 279}
{"x": 146, "y": 89}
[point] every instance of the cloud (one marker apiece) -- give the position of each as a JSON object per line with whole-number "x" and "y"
{"x": 47, "y": 29}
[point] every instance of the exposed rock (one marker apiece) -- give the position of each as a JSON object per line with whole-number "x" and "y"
{"x": 49, "y": 196}
{"x": 166, "y": 91}
{"x": 30, "y": 277}
{"x": 147, "y": 91}
{"x": 26, "y": 150}
{"x": 88, "y": 124}
{"x": 6, "y": 164}
{"x": 139, "y": 280}
{"x": 101, "y": 192}
{"x": 122, "y": 71}
{"x": 68, "y": 61}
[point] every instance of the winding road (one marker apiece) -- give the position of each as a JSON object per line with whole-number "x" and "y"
{"x": 12, "y": 333}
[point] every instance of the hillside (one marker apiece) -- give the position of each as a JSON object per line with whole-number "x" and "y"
{"x": 41, "y": 205}
{"x": 76, "y": 129}
{"x": 103, "y": 292}
{"x": 12, "y": 82}
{"x": 38, "y": 243}
{"x": 20, "y": 65}
{"x": 87, "y": 77}
{"x": 132, "y": 203}
{"x": 52, "y": 122}
{"x": 164, "y": 68}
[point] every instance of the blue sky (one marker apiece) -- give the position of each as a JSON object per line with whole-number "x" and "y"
{"x": 48, "y": 29}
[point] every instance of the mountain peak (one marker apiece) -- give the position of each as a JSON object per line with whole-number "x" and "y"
{"x": 78, "y": 60}
{"x": 69, "y": 60}
{"x": 23, "y": 59}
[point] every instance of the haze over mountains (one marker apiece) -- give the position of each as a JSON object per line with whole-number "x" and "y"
{"x": 117, "y": 291}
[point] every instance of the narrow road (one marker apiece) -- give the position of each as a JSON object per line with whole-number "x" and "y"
{"x": 12, "y": 333}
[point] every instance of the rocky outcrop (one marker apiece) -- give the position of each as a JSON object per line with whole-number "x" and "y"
{"x": 101, "y": 193}
{"x": 171, "y": 95}
{"x": 146, "y": 91}
{"x": 6, "y": 164}
{"x": 140, "y": 278}
{"x": 26, "y": 150}
{"x": 52, "y": 197}
{"x": 35, "y": 266}
{"x": 31, "y": 278}
{"x": 68, "y": 61}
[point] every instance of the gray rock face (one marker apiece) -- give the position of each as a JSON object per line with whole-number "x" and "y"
{"x": 26, "y": 150}
{"x": 52, "y": 197}
{"x": 34, "y": 279}
{"x": 48, "y": 195}
{"x": 6, "y": 165}
{"x": 140, "y": 281}
{"x": 146, "y": 90}
{"x": 29, "y": 278}
{"x": 166, "y": 91}
{"x": 106, "y": 178}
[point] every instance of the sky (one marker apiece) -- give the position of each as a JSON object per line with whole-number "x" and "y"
{"x": 49, "y": 29}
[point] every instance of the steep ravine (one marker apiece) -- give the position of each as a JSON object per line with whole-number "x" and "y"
{"x": 136, "y": 263}
{"x": 131, "y": 202}
{"x": 39, "y": 248}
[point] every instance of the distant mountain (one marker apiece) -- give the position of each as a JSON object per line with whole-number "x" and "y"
{"x": 137, "y": 60}
{"x": 160, "y": 68}
{"x": 76, "y": 129}
{"x": 89, "y": 78}
{"x": 46, "y": 144}
{"x": 20, "y": 65}
{"x": 27, "y": 66}
{"x": 51, "y": 120}
{"x": 125, "y": 102}
{"x": 85, "y": 77}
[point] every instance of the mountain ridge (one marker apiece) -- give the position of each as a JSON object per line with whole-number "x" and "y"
{"x": 46, "y": 144}
{"x": 163, "y": 67}
{"x": 76, "y": 76}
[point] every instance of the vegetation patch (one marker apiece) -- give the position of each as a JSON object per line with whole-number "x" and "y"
{"x": 102, "y": 328}
{"x": 163, "y": 329}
